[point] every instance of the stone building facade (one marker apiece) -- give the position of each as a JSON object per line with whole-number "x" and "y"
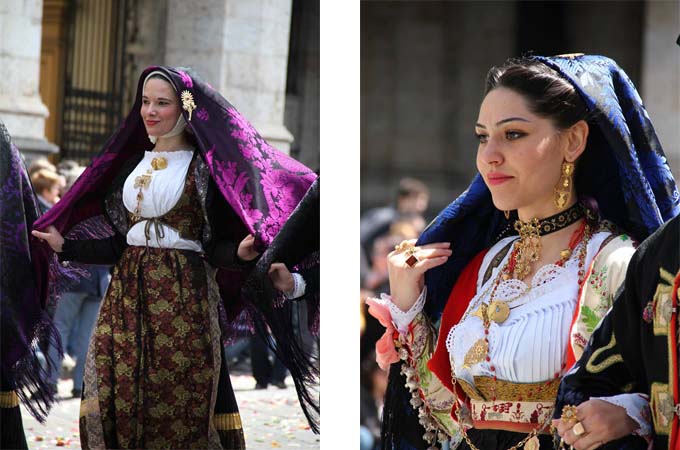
{"x": 85, "y": 75}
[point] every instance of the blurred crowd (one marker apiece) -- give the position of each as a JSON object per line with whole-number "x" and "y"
{"x": 382, "y": 229}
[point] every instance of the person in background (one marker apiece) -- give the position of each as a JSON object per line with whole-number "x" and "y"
{"x": 41, "y": 163}
{"x": 412, "y": 199}
{"x": 48, "y": 185}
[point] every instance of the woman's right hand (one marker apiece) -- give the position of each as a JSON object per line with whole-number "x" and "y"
{"x": 52, "y": 237}
{"x": 246, "y": 249}
{"x": 407, "y": 282}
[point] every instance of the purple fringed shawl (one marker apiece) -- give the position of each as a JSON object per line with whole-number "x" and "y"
{"x": 262, "y": 185}
{"x": 24, "y": 323}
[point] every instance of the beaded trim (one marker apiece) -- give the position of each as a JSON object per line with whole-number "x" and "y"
{"x": 433, "y": 432}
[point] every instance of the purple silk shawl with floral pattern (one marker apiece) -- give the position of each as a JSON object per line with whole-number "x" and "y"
{"x": 261, "y": 184}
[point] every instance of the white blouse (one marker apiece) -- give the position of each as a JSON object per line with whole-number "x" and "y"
{"x": 160, "y": 197}
{"x": 530, "y": 346}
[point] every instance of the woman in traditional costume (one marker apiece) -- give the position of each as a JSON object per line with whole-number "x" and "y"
{"x": 569, "y": 160}
{"x": 182, "y": 200}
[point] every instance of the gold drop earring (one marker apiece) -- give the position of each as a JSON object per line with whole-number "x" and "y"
{"x": 562, "y": 193}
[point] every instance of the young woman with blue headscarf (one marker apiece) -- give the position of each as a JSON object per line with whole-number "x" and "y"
{"x": 518, "y": 271}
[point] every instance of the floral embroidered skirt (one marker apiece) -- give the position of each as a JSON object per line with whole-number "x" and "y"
{"x": 154, "y": 373}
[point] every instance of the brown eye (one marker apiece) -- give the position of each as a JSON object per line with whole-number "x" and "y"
{"x": 482, "y": 138}
{"x": 513, "y": 135}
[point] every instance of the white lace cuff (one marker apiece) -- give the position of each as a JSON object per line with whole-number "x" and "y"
{"x": 637, "y": 408}
{"x": 298, "y": 289}
{"x": 402, "y": 319}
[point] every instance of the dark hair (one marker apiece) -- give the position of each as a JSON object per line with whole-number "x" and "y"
{"x": 547, "y": 93}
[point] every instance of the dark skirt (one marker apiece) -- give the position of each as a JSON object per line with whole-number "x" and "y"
{"x": 154, "y": 373}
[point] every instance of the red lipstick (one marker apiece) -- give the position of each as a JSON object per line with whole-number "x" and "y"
{"x": 496, "y": 178}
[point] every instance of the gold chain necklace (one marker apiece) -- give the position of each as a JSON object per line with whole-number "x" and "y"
{"x": 529, "y": 244}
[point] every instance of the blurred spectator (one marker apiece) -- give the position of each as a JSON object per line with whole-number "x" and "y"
{"x": 47, "y": 185}
{"x": 266, "y": 371}
{"x": 411, "y": 203}
{"x": 41, "y": 163}
{"x": 68, "y": 165}
{"x": 70, "y": 173}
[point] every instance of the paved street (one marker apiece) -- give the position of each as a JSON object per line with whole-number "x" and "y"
{"x": 271, "y": 418}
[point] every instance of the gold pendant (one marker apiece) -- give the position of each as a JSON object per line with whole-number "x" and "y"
{"x": 481, "y": 313}
{"x": 142, "y": 181}
{"x": 532, "y": 444}
{"x": 159, "y": 163}
{"x": 498, "y": 311}
{"x": 476, "y": 354}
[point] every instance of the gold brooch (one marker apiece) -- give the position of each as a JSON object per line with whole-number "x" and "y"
{"x": 159, "y": 163}
{"x": 188, "y": 103}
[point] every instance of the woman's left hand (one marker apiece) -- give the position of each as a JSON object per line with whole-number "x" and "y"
{"x": 281, "y": 277}
{"x": 601, "y": 421}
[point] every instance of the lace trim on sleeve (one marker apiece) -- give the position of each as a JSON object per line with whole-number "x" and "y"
{"x": 299, "y": 287}
{"x": 637, "y": 408}
{"x": 402, "y": 319}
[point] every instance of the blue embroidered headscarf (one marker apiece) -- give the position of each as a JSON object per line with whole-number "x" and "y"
{"x": 623, "y": 168}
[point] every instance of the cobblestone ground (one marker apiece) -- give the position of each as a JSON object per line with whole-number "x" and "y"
{"x": 272, "y": 418}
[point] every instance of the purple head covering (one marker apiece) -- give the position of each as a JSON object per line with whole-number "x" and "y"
{"x": 262, "y": 185}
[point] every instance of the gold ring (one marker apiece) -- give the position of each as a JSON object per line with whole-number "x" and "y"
{"x": 569, "y": 414}
{"x": 578, "y": 429}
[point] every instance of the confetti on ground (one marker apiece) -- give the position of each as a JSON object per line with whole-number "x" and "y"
{"x": 272, "y": 418}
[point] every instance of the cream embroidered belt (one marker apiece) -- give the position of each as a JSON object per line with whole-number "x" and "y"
{"x": 518, "y": 416}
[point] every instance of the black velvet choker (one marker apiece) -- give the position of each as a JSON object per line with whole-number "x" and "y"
{"x": 558, "y": 221}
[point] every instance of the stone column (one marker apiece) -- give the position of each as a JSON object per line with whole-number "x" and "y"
{"x": 241, "y": 48}
{"x": 21, "y": 107}
{"x": 661, "y": 75}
